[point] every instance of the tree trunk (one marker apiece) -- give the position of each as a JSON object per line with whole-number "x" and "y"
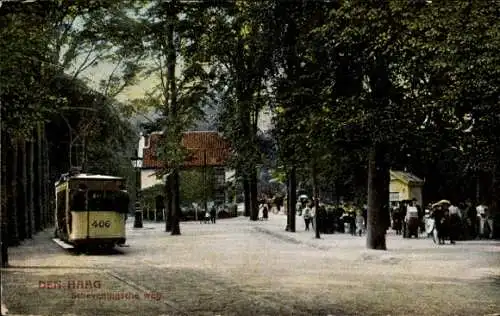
{"x": 495, "y": 203}
{"x": 176, "y": 212}
{"x": 254, "y": 201}
{"x": 288, "y": 217}
{"x": 12, "y": 209}
{"x": 478, "y": 188}
{"x": 378, "y": 198}
{"x": 37, "y": 192}
{"x": 169, "y": 204}
{"x": 246, "y": 194}
{"x": 338, "y": 192}
{"x": 4, "y": 219}
{"x": 314, "y": 178}
{"x": 173, "y": 112}
{"x": 334, "y": 192}
{"x": 44, "y": 178}
{"x": 292, "y": 199}
{"x": 30, "y": 186}
{"x": 47, "y": 192}
{"x": 21, "y": 187}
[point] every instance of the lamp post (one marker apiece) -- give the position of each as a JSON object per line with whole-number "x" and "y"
{"x": 137, "y": 164}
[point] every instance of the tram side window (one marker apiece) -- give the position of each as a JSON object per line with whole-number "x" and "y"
{"x": 61, "y": 203}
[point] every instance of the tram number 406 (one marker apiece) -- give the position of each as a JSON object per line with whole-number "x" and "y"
{"x": 101, "y": 224}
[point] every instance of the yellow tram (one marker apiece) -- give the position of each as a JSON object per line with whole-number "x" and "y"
{"x": 91, "y": 210}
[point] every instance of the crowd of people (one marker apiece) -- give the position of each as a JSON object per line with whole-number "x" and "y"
{"x": 210, "y": 215}
{"x": 442, "y": 220}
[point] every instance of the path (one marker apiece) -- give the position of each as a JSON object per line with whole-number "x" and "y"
{"x": 238, "y": 267}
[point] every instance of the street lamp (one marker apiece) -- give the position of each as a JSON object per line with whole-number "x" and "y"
{"x": 137, "y": 164}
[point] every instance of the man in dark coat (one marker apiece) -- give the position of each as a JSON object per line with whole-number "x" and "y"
{"x": 397, "y": 219}
{"x": 265, "y": 211}
{"x": 278, "y": 202}
{"x": 213, "y": 213}
{"x": 159, "y": 207}
{"x": 122, "y": 201}
{"x": 321, "y": 214}
{"x": 439, "y": 222}
{"x": 421, "y": 214}
{"x": 471, "y": 213}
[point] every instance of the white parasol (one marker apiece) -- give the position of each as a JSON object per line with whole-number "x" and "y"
{"x": 441, "y": 203}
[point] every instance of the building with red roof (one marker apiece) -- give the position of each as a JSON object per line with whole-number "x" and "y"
{"x": 205, "y": 149}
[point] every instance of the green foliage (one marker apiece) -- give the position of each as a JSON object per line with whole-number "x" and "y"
{"x": 234, "y": 44}
{"x": 177, "y": 98}
{"x": 422, "y": 77}
{"x": 396, "y": 72}
{"x": 148, "y": 195}
{"x": 194, "y": 188}
{"x": 24, "y": 70}
{"x": 38, "y": 44}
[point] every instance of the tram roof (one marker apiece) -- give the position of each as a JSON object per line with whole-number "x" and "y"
{"x": 86, "y": 176}
{"x": 95, "y": 177}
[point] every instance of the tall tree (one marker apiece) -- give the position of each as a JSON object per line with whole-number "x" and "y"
{"x": 31, "y": 95}
{"x": 171, "y": 30}
{"x": 235, "y": 46}
{"x": 367, "y": 96}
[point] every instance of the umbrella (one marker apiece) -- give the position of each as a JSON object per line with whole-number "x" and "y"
{"x": 441, "y": 203}
{"x": 303, "y": 197}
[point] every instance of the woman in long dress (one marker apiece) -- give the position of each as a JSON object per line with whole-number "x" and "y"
{"x": 360, "y": 223}
{"x": 307, "y": 216}
{"x": 439, "y": 227}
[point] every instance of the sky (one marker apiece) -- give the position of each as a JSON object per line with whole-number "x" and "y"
{"x": 139, "y": 90}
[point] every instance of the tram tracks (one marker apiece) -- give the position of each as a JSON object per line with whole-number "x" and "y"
{"x": 144, "y": 290}
{"x": 246, "y": 295}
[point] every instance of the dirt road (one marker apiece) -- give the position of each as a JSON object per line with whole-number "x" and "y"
{"x": 237, "y": 267}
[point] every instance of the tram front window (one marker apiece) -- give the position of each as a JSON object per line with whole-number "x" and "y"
{"x": 78, "y": 198}
{"x": 100, "y": 201}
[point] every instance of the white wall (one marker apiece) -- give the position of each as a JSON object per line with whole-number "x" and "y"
{"x": 230, "y": 174}
{"x": 416, "y": 192}
{"x": 140, "y": 148}
{"x": 148, "y": 179}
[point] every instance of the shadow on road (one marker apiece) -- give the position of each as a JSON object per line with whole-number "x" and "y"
{"x": 14, "y": 267}
{"x": 95, "y": 251}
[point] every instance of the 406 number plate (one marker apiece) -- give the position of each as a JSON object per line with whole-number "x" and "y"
{"x": 101, "y": 224}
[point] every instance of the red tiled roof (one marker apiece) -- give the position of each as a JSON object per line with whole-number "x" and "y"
{"x": 199, "y": 144}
